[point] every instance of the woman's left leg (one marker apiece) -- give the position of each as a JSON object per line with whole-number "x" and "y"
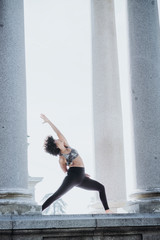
{"x": 67, "y": 184}
{"x": 90, "y": 184}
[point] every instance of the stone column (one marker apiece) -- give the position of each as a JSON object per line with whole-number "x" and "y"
{"x": 108, "y": 133}
{"x": 144, "y": 45}
{"x": 14, "y": 194}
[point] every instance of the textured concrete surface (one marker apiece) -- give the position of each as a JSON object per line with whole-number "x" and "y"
{"x": 108, "y": 136}
{"x": 144, "y": 44}
{"x": 13, "y": 134}
{"x": 19, "y": 207}
{"x": 81, "y": 227}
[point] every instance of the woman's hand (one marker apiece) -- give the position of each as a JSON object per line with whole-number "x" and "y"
{"x": 87, "y": 175}
{"x": 55, "y": 129}
{"x": 44, "y": 118}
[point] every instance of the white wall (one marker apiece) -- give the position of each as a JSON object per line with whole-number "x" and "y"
{"x": 58, "y": 69}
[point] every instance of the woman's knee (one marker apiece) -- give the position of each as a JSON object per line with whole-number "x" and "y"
{"x": 101, "y": 188}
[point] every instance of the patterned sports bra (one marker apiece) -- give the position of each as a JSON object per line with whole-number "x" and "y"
{"x": 70, "y": 156}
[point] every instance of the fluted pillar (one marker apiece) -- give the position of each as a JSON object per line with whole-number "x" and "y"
{"x": 13, "y": 134}
{"x": 108, "y": 134}
{"x": 144, "y": 45}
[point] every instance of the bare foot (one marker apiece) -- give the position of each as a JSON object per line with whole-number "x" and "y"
{"x": 108, "y": 211}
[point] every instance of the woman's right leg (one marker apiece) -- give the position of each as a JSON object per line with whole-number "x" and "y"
{"x": 90, "y": 184}
{"x": 67, "y": 184}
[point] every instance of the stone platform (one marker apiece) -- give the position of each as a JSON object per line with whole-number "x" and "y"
{"x": 81, "y": 227}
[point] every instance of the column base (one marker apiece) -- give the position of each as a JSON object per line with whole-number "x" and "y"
{"x": 144, "y": 201}
{"x": 147, "y": 206}
{"x": 18, "y": 202}
{"x": 19, "y": 209}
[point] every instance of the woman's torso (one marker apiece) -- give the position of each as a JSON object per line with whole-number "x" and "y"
{"x": 72, "y": 158}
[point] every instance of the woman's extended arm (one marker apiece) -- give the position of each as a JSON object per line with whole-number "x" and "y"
{"x": 55, "y": 129}
{"x": 63, "y": 165}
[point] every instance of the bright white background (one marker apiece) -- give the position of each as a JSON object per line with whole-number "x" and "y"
{"x": 58, "y": 71}
{"x": 59, "y": 84}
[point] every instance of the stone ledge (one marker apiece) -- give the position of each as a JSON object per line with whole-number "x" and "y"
{"x": 81, "y": 227}
{"x": 79, "y": 221}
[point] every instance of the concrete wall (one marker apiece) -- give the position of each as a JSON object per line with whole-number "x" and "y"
{"x": 81, "y": 227}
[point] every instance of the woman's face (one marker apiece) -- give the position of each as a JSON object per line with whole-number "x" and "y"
{"x": 59, "y": 143}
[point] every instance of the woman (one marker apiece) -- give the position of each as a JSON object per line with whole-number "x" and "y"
{"x": 70, "y": 162}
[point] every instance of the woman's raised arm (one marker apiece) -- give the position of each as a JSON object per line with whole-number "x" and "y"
{"x": 55, "y": 129}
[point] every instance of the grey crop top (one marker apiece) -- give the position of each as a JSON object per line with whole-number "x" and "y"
{"x": 70, "y": 156}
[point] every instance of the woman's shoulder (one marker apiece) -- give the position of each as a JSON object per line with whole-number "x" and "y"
{"x": 63, "y": 154}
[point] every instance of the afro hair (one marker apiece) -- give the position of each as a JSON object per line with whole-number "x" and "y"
{"x": 50, "y": 146}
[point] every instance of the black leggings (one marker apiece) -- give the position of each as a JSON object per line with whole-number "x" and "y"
{"x": 76, "y": 177}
